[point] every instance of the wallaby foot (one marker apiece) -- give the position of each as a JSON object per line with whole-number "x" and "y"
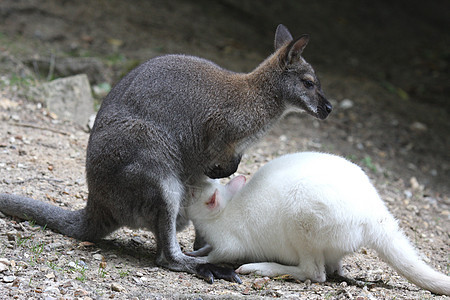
{"x": 209, "y": 271}
{"x": 197, "y": 266}
{"x": 271, "y": 269}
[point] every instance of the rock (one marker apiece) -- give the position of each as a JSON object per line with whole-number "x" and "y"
{"x": 5, "y": 261}
{"x": 260, "y": 283}
{"x": 346, "y": 104}
{"x": 53, "y": 246}
{"x": 117, "y": 287}
{"x": 419, "y": 127}
{"x": 93, "y": 67}
{"x": 52, "y": 290}
{"x": 97, "y": 256}
{"x": 415, "y": 184}
{"x": 91, "y": 121}
{"x": 69, "y": 98}
{"x": 3, "y": 267}
{"x": 81, "y": 293}
{"x": 8, "y": 279}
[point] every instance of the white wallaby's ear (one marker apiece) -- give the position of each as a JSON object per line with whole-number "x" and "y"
{"x": 236, "y": 184}
{"x": 214, "y": 201}
{"x": 295, "y": 49}
{"x": 282, "y": 36}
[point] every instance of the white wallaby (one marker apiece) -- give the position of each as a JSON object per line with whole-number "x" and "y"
{"x": 300, "y": 215}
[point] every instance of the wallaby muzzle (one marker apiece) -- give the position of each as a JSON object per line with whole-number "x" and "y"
{"x": 324, "y": 108}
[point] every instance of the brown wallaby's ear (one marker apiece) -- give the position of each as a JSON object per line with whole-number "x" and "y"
{"x": 295, "y": 49}
{"x": 282, "y": 36}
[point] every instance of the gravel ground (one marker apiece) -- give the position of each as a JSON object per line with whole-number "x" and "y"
{"x": 401, "y": 141}
{"x": 43, "y": 158}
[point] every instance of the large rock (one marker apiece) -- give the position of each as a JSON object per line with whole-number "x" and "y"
{"x": 93, "y": 67}
{"x": 70, "y": 98}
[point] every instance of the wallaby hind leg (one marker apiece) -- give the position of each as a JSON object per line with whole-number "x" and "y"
{"x": 97, "y": 222}
{"x": 311, "y": 266}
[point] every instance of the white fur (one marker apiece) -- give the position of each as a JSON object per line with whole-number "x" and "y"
{"x": 300, "y": 215}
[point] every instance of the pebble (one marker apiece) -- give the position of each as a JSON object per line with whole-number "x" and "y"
{"x": 346, "y": 104}
{"x": 8, "y": 279}
{"x": 417, "y": 126}
{"x": 52, "y": 290}
{"x": 54, "y": 246}
{"x": 260, "y": 283}
{"x": 97, "y": 256}
{"x": 3, "y": 267}
{"x": 117, "y": 287}
{"x": 5, "y": 261}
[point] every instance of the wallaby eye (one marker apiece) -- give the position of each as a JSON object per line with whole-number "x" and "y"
{"x": 308, "y": 84}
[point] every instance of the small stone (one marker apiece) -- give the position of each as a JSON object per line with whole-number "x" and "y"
{"x": 346, "y": 104}
{"x": 80, "y": 293}
{"x": 97, "y": 256}
{"x": 53, "y": 246}
{"x": 52, "y": 290}
{"x": 86, "y": 244}
{"x": 3, "y": 267}
{"x": 8, "y": 279}
{"x": 5, "y": 261}
{"x": 117, "y": 287}
{"x": 260, "y": 283}
{"x": 414, "y": 183}
{"x": 417, "y": 126}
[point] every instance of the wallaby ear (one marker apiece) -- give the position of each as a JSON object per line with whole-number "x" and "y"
{"x": 295, "y": 49}
{"x": 214, "y": 201}
{"x": 282, "y": 36}
{"x": 236, "y": 184}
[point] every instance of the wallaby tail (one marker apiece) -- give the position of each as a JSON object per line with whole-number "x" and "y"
{"x": 395, "y": 248}
{"x": 70, "y": 223}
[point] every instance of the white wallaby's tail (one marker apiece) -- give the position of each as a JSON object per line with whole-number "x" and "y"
{"x": 395, "y": 248}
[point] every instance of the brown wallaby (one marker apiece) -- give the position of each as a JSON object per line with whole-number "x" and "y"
{"x": 164, "y": 126}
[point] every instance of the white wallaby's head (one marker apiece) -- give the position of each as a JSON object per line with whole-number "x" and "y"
{"x": 211, "y": 197}
{"x": 300, "y": 87}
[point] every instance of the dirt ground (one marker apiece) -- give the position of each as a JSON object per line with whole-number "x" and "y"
{"x": 390, "y": 118}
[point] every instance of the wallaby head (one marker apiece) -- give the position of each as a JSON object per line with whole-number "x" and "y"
{"x": 301, "y": 88}
{"x": 211, "y": 197}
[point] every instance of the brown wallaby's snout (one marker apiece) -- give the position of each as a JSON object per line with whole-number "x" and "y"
{"x": 324, "y": 108}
